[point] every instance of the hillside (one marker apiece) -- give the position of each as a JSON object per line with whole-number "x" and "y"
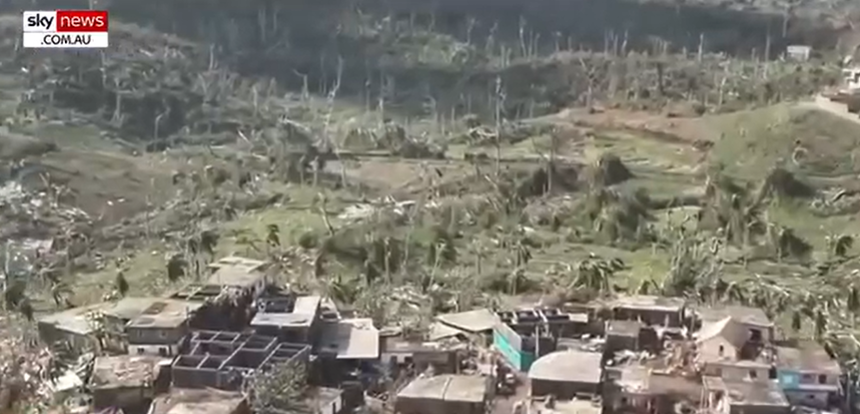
{"x": 385, "y": 156}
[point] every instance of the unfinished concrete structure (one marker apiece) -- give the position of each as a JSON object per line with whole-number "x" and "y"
{"x": 524, "y": 335}
{"x": 567, "y": 374}
{"x": 445, "y": 394}
{"x": 649, "y": 310}
{"x": 224, "y": 360}
{"x": 228, "y": 293}
{"x": 160, "y": 328}
{"x": 808, "y": 375}
{"x": 239, "y": 272}
{"x": 289, "y": 318}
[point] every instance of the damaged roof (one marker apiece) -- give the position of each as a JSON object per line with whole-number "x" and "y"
{"x": 568, "y": 366}
{"x": 761, "y": 393}
{"x": 165, "y": 313}
{"x": 197, "y": 401}
{"x": 76, "y": 321}
{"x": 351, "y": 339}
{"x": 473, "y": 321}
{"x": 125, "y": 371}
{"x": 806, "y": 356}
{"x": 728, "y": 328}
{"x": 743, "y": 314}
{"x": 448, "y": 387}
{"x": 237, "y": 271}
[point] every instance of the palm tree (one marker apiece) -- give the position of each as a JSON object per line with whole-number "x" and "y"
{"x": 272, "y": 236}
{"x": 208, "y": 242}
{"x": 596, "y": 274}
{"x": 176, "y": 267}
{"x": 121, "y": 284}
{"x": 839, "y": 245}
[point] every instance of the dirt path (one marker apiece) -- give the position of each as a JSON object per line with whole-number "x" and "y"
{"x": 834, "y": 108}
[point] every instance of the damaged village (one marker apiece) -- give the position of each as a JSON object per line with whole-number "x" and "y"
{"x": 433, "y": 207}
{"x": 188, "y": 354}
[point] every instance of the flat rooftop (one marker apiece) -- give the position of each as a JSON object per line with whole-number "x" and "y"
{"x": 236, "y": 272}
{"x": 350, "y": 339}
{"x": 165, "y": 313}
{"x": 449, "y": 387}
{"x": 568, "y": 366}
{"x": 288, "y": 311}
{"x": 648, "y": 302}
{"x": 76, "y": 321}
{"x": 761, "y": 393}
{"x": 125, "y": 371}
{"x": 806, "y": 356}
{"x": 197, "y": 401}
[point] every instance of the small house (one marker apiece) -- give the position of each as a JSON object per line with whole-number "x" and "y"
{"x": 743, "y": 397}
{"x": 667, "y": 312}
{"x": 566, "y": 374}
{"x": 759, "y": 327}
{"x": 798, "y": 53}
{"x": 445, "y": 394}
{"x": 77, "y": 325}
{"x": 291, "y": 319}
{"x": 725, "y": 349}
{"x": 441, "y": 355}
{"x": 125, "y": 381}
{"x": 628, "y": 390}
{"x": 160, "y": 328}
{"x": 808, "y": 375}
{"x": 207, "y": 400}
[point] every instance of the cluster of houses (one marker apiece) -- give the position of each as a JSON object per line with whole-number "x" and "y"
{"x": 193, "y": 352}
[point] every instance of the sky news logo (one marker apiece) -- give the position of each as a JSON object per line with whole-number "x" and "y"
{"x": 65, "y": 29}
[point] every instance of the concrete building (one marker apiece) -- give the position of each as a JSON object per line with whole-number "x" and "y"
{"x": 622, "y": 335}
{"x": 125, "y": 381}
{"x": 344, "y": 346}
{"x": 290, "y": 319}
{"x": 628, "y": 390}
{"x": 807, "y": 375}
{"x": 755, "y": 321}
{"x": 798, "y": 53}
{"x": 441, "y": 355}
{"x": 731, "y": 350}
{"x": 660, "y": 311}
{"x": 743, "y": 397}
{"x": 197, "y": 401}
{"x": 566, "y": 374}
{"x": 238, "y": 272}
{"x": 78, "y": 324}
{"x": 224, "y": 360}
{"x": 524, "y": 335}
{"x": 160, "y": 328}
{"x": 445, "y": 394}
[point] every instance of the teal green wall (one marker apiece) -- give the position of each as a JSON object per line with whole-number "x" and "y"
{"x": 520, "y": 360}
